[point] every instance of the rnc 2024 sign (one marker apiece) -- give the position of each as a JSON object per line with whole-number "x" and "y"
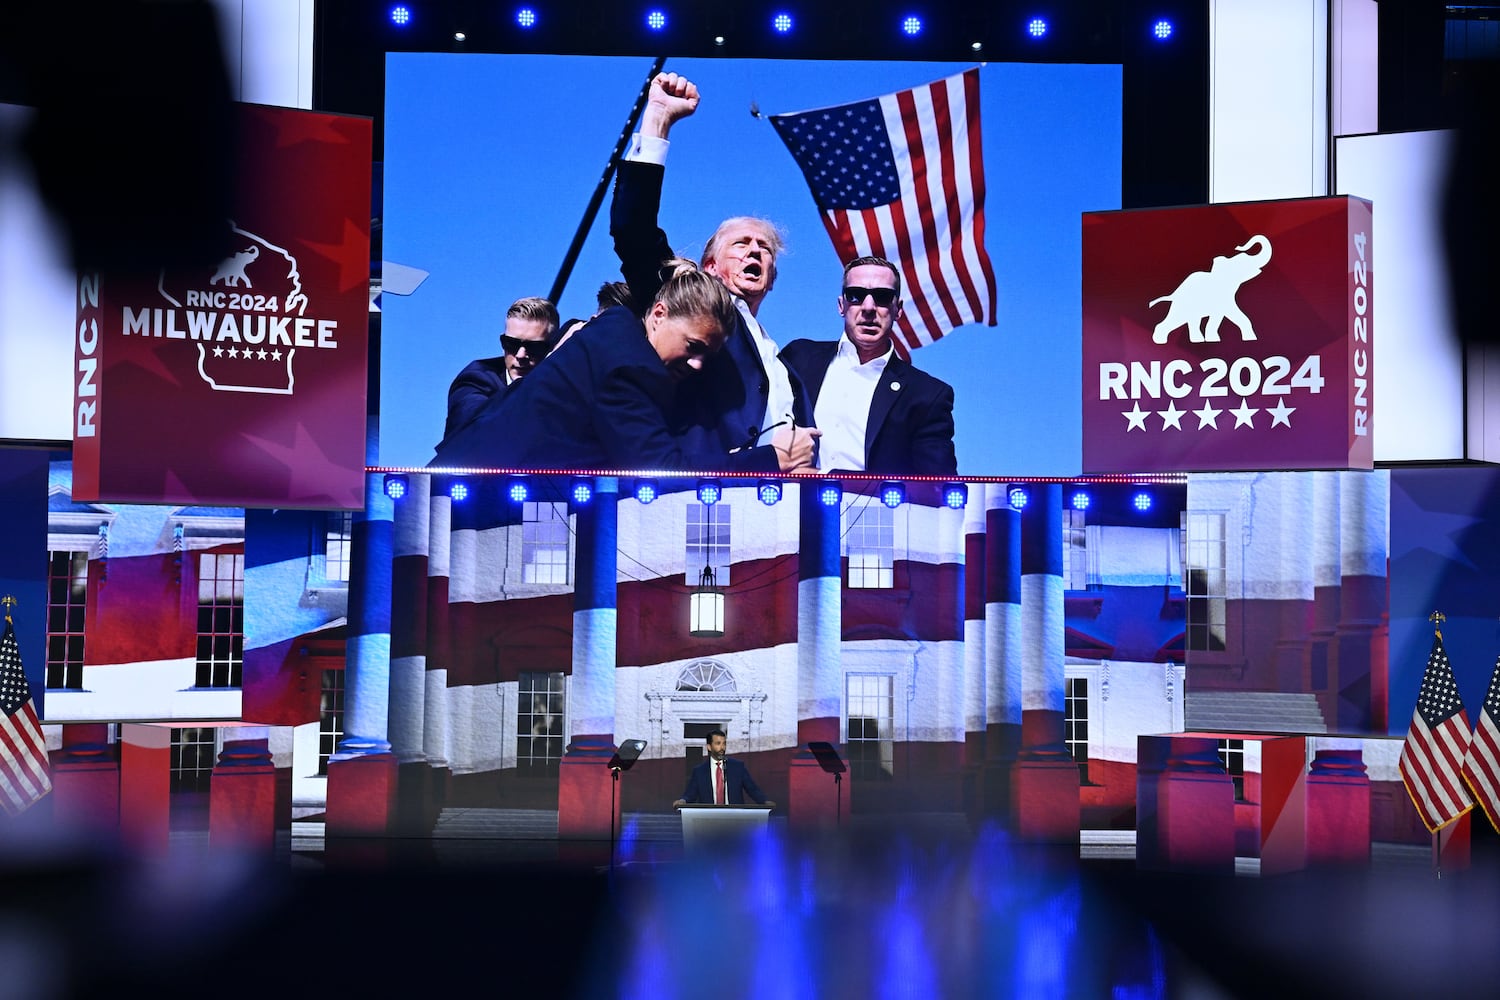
{"x": 1228, "y": 337}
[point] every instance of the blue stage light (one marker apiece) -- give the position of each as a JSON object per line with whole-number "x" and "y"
{"x": 656, "y": 19}
{"x": 519, "y": 492}
{"x": 1141, "y": 502}
{"x": 645, "y": 491}
{"x": 770, "y": 492}
{"x": 1018, "y": 497}
{"x": 781, "y": 23}
{"x": 1081, "y": 500}
{"x": 1162, "y": 30}
{"x": 911, "y": 25}
{"x": 401, "y": 15}
{"x": 1036, "y": 27}
{"x": 955, "y": 495}
{"x": 709, "y": 492}
{"x": 892, "y": 494}
{"x": 526, "y": 17}
{"x": 396, "y": 485}
{"x": 830, "y": 493}
{"x": 459, "y": 491}
{"x": 583, "y": 491}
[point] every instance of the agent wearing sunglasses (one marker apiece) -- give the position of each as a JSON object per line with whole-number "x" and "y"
{"x": 877, "y": 412}
{"x": 745, "y": 390}
{"x": 530, "y": 333}
{"x": 604, "y": 400}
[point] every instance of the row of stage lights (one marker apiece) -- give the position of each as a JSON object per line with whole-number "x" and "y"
{"x": 710, "y": 491}
{"x": 784, "y": 23}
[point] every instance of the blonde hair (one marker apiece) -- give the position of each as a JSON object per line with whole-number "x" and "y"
{"x": 536, "y": 308}
{"x": 771, "y": 230}
{"x": 688, "y": 291}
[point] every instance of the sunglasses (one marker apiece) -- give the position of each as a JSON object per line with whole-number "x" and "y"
{"x": 884, "y": 297}
{"x": 534, "y": 348}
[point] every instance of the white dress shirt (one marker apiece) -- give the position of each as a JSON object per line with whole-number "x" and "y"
{"x": 843, "y": 409}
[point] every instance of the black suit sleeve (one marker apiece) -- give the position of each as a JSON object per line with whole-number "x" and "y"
{"x": 751, "y": 789}
{"x": 932, "y": 439}
{"x": 629, "y": 414}
{"x": 640, "y": 244}
{"x": 466, "y": 397}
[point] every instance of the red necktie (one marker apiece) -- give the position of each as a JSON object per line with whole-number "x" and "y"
{"x": 719, "y": 783}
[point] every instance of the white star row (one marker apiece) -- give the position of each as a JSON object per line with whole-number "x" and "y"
{"x": 247, "y": 353}
{"x": 1208, "y": 415}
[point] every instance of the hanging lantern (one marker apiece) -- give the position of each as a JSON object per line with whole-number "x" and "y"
{"x": 706, "y": 607}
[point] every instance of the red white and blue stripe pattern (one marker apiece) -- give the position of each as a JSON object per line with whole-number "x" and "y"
{"x": 1482, "y": 766}
{"x": 1437, "y": 742}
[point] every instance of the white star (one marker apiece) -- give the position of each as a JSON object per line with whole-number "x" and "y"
{"x": 1208, "y": 416}
{"x": 233, "y": 353}
{"x": 1171, "y": 416}
{"x": 218, "y": 350}
{"x": 1136, "y": 417}
{"x": 1281, "y": 413}
{"x": 1243, "y": 414}
{"x": 261, "y": 354}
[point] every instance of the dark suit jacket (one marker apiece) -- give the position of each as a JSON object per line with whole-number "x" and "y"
{"x": 909, "y": 430}
{"x": 601, "y": 401}
{"x": 727, "y": 402}
{"x": 471, "y": 389}
{"x": 738, "y": 785}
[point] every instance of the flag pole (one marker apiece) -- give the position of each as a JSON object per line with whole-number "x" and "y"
{"x": 576, "y": 247}
{"x": 1437, "y": 618}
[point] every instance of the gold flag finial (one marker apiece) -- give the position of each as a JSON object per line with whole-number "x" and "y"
{"x": 1437, "y": 618}
{"x": 9, "y": 602}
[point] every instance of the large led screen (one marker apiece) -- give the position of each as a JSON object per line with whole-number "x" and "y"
{"x": 490, "y": 166}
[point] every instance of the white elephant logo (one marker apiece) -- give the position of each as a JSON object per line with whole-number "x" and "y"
{"x": 232, "y": 269}
{"x": 1206, "y": 298}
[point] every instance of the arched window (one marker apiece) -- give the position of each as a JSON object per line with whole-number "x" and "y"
{"x": 705, "y": 675}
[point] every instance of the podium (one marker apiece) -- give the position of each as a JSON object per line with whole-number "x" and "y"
{"x": 709, "y": 825}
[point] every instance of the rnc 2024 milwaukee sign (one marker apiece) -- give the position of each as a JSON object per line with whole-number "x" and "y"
{"x": 1228, "y": 337}
{"x": 241, "y": 382}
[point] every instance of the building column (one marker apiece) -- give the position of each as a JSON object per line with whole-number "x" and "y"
{"x": 1002, "y": 647}
{"x": 409, "y": 547}
{"x": 1184, "y": 805}
{"x": 1044, "y": 790}
{"x": 1361, "y": 640}
{"x": 1338, "y": 805}
{"x": 588, "y": 807}
{"x": 818, "y": 798}
{"x": 1292, "y": 587}
{"x": 146, "y": 787}
{"x": 1325, "y": 610}
{"x": 362, "y": 774}
{"x": 975, "y": 694}
{"x": 435, "y": 719}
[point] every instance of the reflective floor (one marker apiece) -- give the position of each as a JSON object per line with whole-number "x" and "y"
{"x": 890, "y": 910}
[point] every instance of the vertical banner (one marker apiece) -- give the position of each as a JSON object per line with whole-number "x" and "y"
{"x": 241, "y": 382}
{"x": 1229, "y": 337}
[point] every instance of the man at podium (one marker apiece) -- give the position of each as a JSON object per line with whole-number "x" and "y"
{"x": 721, "y": 780}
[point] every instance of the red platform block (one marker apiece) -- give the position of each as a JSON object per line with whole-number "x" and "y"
{"x": 1044, "y": 800}
{"x": 588, "y": 801}
{"x": 1338, "y": 810}
{"x": 815, "y": 799}
{"x": 85, "y": 783}
{"x": 1184, "y": 805}
{"x": 361, "y": 795}
{"x": 242, "y": 799}
{"x": 1272, "y": 823}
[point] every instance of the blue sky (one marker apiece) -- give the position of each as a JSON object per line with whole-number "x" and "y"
{"x": 490, "y": 161}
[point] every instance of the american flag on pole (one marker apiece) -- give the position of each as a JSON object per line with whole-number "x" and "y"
{"x": 902, "y": 177}
{"x": 1432, "y": 757}
{"x": 23, "y": 751}
{"x": 1482, "y": 766}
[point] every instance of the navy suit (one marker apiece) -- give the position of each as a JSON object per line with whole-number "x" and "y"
{"x": 727, "y": 403}
{"x": 738, "y": 785}
{"x": 601, "y": 401}
{"x": 909, "y": 430}
{"x": 473, "y": 387}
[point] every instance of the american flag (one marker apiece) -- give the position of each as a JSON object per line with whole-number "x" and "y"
{"x": 1432, "y": 758}
{"x": 23, "y": 752}
{"x": 1482, "y": 766}
{"x": 902, "y": 177}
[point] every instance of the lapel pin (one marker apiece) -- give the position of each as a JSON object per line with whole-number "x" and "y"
{"x": 895, "y": 386}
